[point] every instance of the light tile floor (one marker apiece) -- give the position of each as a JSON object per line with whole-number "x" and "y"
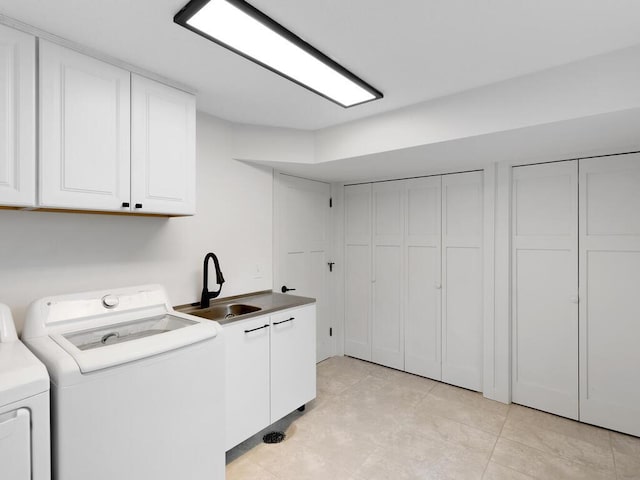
{"x": 371, "y": 423}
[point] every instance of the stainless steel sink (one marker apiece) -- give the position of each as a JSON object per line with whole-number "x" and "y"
{"x": 224, "y": 312}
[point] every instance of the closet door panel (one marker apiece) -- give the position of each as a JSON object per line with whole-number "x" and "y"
{"x": 358, "y": 271}
{"x": 462, "y": 309}
{"x": 544, "y": 288}
{"x": 423, "y": 276}
{"x": 609, "y": 291}
{"x": 387, "y": 320}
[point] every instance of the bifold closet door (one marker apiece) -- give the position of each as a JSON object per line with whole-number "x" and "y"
{"x": 422, "y": 336}
{"x": 462, "y": 308}
{"x": 387, "y": 346}
{"x": 545, "y": 287}
{"x": 610, "y": 292}
{"x": 357, "y": 341}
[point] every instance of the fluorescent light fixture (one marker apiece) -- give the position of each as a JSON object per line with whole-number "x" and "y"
{"x": 247, "y": 31}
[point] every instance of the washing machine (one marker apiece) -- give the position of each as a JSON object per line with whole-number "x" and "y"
{"x": 24, "y": 408}
{"x": 137, "y": 389}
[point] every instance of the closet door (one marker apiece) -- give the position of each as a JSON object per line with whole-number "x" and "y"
{"x": 544, "y": 287}
{"x": 462, "y": 323}
{"x": 610, "y": 292}
{"x": 388, "y": 229}
{"x": 357, "y": 341}
{"x": 422, "y": 337}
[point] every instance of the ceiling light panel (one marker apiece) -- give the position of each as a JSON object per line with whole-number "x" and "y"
{"x": 242, "y": 28}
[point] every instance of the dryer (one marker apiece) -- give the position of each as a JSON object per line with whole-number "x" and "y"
{"x": 24, "y": 408}
{"x": 137, "y": 388}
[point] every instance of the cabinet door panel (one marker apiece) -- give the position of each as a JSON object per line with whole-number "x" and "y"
{"x": 247, "y": 379}
{"x": 544, "y": 288}
{"x": 84, "y": 131}
{"x": 423, "y": 300}
{"x": 163, "y": 148}
{"x": 387, "y": 346}
{"x": 357, "y": 342}
{"x": 293, "y": 360}
{"x": 462, "y": 310}
{"x": 17, "y": 118}
{"x": 609, "y": 292}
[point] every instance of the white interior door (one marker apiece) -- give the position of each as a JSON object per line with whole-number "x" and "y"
{"x": 462, "y": 287}
{"x": 422, "y": 335}
{"x": 545, "y": 287}
{"x": 357, "y": 255}
{"x": 303, "y": 232}
{"x": 387, "y": 347}
{"x": 610, "y": 292}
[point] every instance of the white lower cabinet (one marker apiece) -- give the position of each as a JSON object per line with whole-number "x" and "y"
{"x": 247, "y": 379}
{"x": 270, "y": 370}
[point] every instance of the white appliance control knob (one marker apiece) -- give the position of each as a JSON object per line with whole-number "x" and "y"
{"x": 110, "y": 301}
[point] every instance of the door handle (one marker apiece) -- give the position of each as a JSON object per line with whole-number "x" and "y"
{"x": 284, "y": 289}
{"x": 284, "y": 321}
{"x": 257, "y": 328}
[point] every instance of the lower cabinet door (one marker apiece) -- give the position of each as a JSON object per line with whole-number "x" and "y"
{"x": 293, "y": 360}
{"x": 247, "y": 379}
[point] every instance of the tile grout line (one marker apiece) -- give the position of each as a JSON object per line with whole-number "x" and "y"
{"x": 496, "y": 442}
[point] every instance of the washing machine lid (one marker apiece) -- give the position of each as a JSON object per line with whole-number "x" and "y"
{"x": 126, "y": 341}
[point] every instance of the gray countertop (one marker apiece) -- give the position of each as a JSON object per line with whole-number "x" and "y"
{"x": 268, "y": 301}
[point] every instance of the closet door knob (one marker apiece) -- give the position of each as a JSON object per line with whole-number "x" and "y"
{"x": 437, "y": 285}
{"x": 574, "y": 299}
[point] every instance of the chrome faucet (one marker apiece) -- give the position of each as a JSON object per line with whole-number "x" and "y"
{"x": 206, "y": 294}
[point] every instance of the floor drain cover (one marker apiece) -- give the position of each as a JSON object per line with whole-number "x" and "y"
{"x": 273, "y": 437}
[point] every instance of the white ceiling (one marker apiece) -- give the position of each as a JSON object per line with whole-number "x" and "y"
{"x": 412, "y": 50}
{"x": 604, "y": 134}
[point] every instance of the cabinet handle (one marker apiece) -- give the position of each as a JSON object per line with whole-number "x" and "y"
{"x": 125, "y": 204}
{"x": 138, "y": 205}
{"x": 257, "y": 328}
{"x": 284, "y": 321}
{"x": 284, "y": 289}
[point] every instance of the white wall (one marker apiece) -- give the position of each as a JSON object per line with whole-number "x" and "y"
{"x": 54, "y": 253}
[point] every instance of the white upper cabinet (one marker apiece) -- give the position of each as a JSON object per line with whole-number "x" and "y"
{"x": 17, "y": 118}
{"x": 163, "y": 157}
{"x": 84, "y": 132}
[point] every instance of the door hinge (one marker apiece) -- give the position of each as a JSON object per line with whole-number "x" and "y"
{"x": 330, "y": 332}
{"x": 330, "y": 202}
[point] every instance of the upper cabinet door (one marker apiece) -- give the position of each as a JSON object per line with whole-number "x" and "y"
{"x": 17, "y": 118}
{"x": 163, "y": 153}
{"x": 84, "y": 131}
